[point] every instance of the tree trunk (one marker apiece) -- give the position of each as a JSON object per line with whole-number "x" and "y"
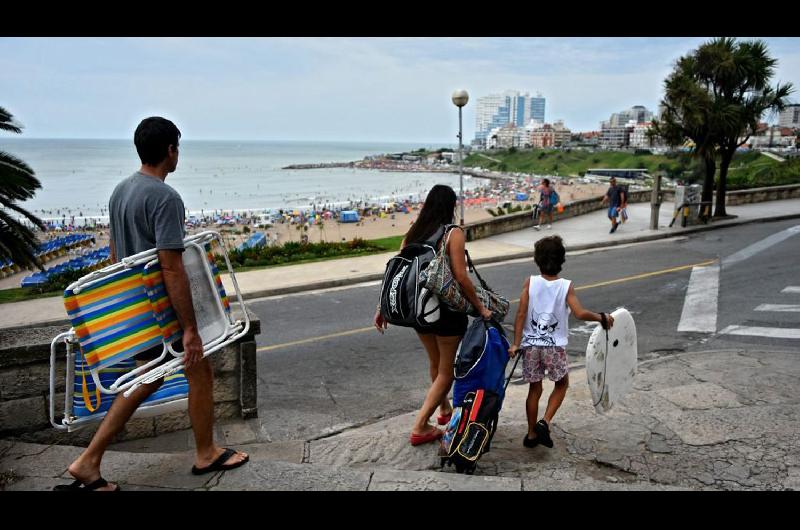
{"x": 708, "y": 183}
{"x": 725, "y": 161}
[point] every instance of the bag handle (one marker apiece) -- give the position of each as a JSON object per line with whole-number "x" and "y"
{"x": 473, "y": 269}
{"x": 508, "y": 380}
{"x": 487, "y": 324}
{"x": 470, "y": 264}
{"x": 448, "y": 229}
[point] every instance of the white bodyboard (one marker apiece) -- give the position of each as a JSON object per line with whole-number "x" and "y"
{"x": 610, "y": 369}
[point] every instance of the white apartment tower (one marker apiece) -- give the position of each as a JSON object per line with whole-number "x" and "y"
{"x": 790, "y": 116}
{"x": 496, "y": 110}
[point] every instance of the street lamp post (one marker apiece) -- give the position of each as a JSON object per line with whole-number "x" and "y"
{"x": 460, "y": 98}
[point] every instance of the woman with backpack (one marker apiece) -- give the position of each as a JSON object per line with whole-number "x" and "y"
{"x": 547, "y": 201}
{"x": 440, "y": 341}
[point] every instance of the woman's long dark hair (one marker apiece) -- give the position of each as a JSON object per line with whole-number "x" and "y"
{"x": 438, "y": 209}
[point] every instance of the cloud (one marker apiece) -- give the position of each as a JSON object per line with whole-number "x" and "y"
{"x": 355, "y": 88}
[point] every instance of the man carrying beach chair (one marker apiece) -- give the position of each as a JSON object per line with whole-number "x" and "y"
{"x": 145, "y": 213}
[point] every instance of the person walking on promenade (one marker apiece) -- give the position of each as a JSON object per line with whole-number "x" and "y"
{"x": 547, "y": 201}
{"x": 541, "y": 329}
{"x": 146, "y": 213}
{"x": 616, "y": 198}
{"x": 442, "y": 341}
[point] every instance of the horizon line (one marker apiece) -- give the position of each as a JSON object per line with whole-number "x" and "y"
{"x": 293, "y": 140}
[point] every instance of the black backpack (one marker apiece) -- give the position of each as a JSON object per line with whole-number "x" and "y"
{"x": 404, "y": 299}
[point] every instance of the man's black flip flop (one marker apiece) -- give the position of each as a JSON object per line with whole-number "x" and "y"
{"x": 80, "y": 486}
{"x": 219, "y": 463}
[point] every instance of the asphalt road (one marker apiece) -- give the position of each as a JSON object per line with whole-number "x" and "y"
{"x": 322, "y": 367}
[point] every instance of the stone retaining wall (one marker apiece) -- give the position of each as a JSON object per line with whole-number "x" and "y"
{"x": 25, "y": 376}
{"x": 520, "y": 220}
{"x": 774, "y": 193}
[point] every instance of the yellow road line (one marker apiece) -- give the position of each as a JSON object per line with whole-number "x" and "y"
{"x": 312, "y": 339}
{"x": 590, "y": 286}
{"x": 647, "y": 275}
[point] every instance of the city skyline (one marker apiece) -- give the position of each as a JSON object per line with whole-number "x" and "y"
{"x": 331, "y": 89}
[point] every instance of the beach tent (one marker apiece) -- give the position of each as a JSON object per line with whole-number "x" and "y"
{"x": 349, "y": 216}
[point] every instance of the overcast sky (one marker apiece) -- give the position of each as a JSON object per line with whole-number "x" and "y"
{"x": 333, "y": 88}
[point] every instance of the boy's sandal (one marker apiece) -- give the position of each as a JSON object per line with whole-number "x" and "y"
{"x": 444, "y": 419}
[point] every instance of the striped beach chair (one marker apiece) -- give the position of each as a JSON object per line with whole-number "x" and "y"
{"x": 122, "y": 310}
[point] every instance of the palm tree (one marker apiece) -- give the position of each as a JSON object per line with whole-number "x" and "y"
{"x": 17, "y": 183}
{"x": 689, "y": 113}
{"x": 738, "y": 74}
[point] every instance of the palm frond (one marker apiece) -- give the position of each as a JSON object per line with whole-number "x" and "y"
{"x": 17, "y": 242}
{"x": 7, "y": 122}
{"x": 17, "y": 180}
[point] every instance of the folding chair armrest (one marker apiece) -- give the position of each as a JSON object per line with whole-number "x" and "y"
{"x": 52, "y": 406}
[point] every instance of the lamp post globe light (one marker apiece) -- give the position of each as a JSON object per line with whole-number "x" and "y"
{"x": 460, "y": 98}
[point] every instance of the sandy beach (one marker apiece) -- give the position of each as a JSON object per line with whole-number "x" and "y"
{"x": 396, "y": 224}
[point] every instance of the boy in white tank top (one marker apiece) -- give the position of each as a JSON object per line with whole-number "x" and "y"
{"x": 541, "y": 330}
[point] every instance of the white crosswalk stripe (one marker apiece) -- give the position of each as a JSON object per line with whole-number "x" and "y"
{"x": 782, "y": 308}
{"x": 754, "y": 331}
{"x": 700, "y": 306}
{"x": 792, "y": 289}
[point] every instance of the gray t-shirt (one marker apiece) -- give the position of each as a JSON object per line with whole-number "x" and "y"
{"x": 145, "y": 213}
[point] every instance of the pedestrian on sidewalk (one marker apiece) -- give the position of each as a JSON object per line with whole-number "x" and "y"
{"x": 147, "y": 213}
{"x": 548, "y": 198}
{"x": 616, "y": 198}
{"x": 440, "y": 342}
{"x": 541, "y": 331}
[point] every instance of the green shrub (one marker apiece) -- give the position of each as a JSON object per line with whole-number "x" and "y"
{"x": 293, "y": 251}
{"x": 59, "y": 282}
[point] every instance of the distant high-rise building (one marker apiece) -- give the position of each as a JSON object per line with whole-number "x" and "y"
{"x": 496, "y": 110}
{"x": 616, "y": 131}
{"x": 638, "y": 114}
{"x": 537, "y": 108}
{"x": 790, "y": 116}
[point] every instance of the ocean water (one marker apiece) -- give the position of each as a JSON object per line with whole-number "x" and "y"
{"x": 78, "y": 176}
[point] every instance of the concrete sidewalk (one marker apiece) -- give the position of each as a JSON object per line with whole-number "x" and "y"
{"x": 717, "y": 420}
{"x": 579, "y": 233}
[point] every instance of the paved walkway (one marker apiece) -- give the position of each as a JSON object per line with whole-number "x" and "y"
{"x": 719, "y": 420}
{"x": 582, "y": 232}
